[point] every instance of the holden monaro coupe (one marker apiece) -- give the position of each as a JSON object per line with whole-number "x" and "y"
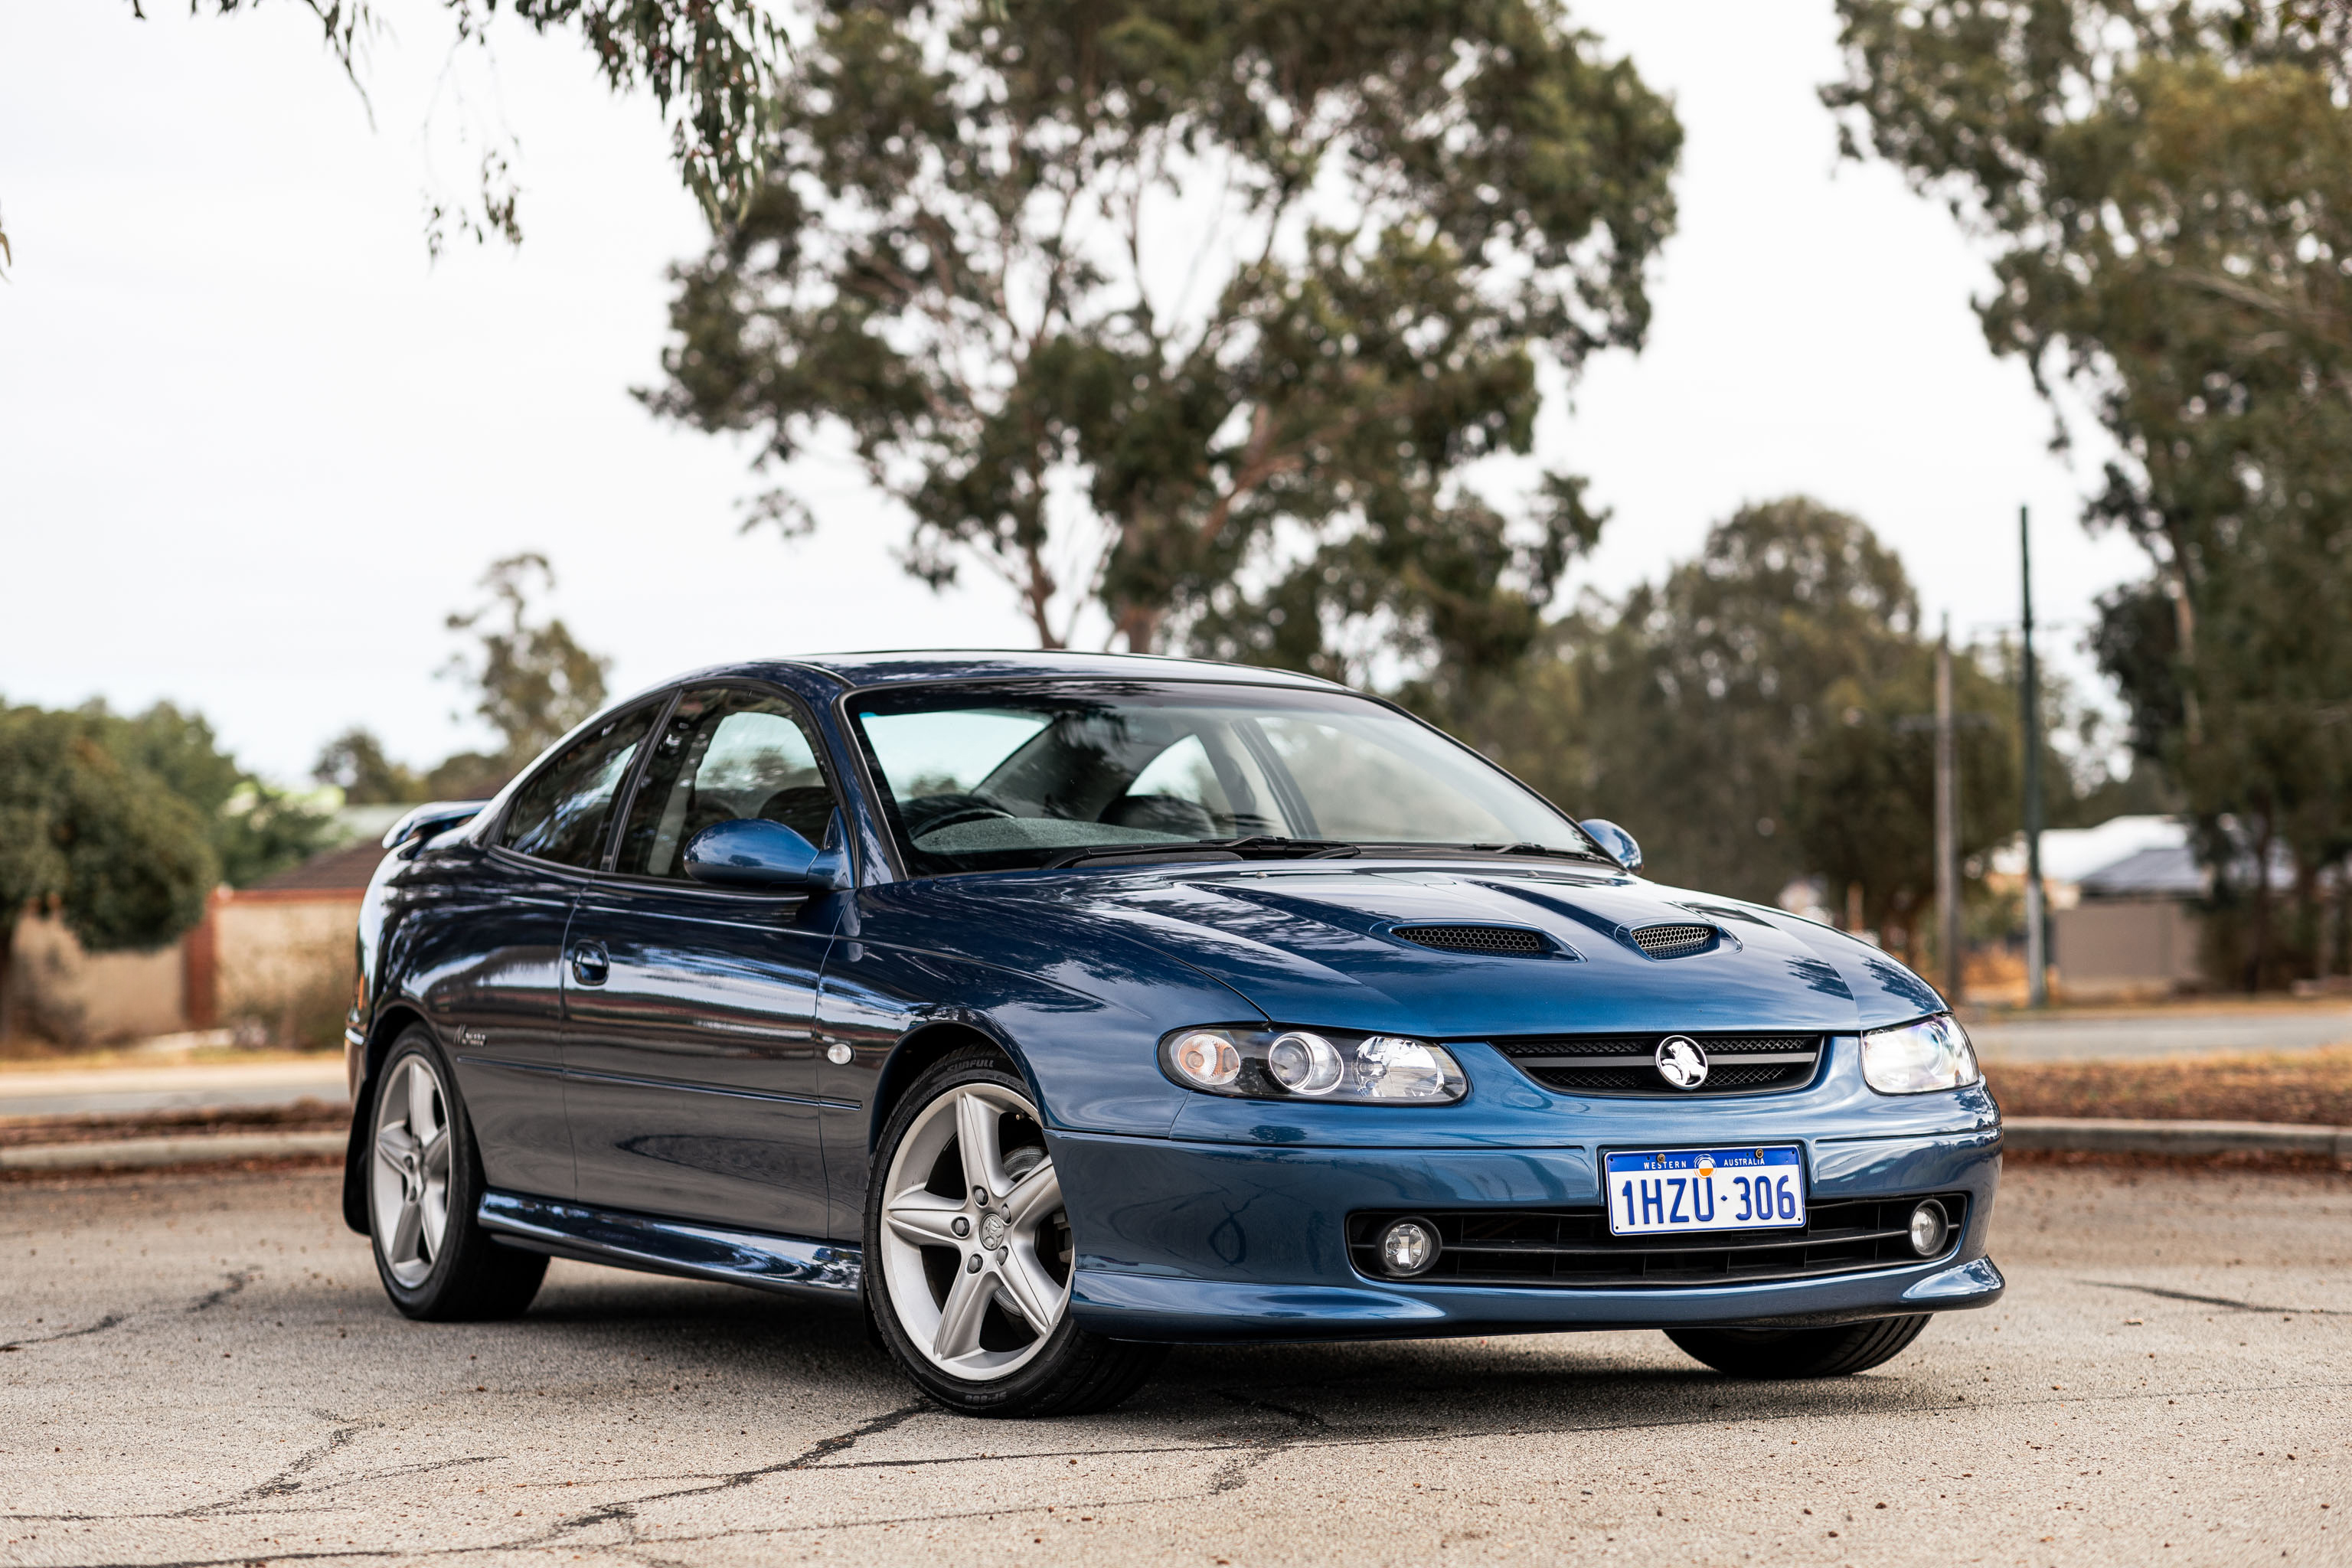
{"x": 1062, "y": 1007}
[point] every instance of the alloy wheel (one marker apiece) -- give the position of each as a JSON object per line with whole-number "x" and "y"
{"x": 975, "y": 1243}
{"x": 409, "y": 1179}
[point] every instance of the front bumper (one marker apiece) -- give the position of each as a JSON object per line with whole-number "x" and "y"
{"x": 1200, "y": 1241}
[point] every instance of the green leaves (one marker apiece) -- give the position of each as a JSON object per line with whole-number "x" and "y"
{"x": 125, "y": 858}
{"x": 711, "y": 67}
{"x": 2168, "y": 192}
{"x": 1140, "y": 306}
{"x": 532, "y": 682}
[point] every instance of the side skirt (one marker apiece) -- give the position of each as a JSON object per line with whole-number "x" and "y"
{"x": 674, "y": 1246}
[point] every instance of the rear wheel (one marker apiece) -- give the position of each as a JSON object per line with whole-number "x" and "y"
{"x": 424, "y": 1187}
{"x": 968, "y": 1254}
{"x": 1800, "y": 1352}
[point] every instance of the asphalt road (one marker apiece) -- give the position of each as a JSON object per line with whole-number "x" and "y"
{"x": 2161, "y": 1031}
{"x": 203, "y": 1370}
{"x": 123, "y": 1091}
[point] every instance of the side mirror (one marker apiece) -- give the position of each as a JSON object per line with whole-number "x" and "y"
{"x": 1616, "y": 840}
{"x": 751, "y": 854}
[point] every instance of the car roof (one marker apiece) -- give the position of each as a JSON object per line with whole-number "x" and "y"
{"x": 901, "y": 666}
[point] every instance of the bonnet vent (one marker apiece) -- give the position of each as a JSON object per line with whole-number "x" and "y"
{"x": 1673, "y": 941}
{"x": 1516, "y": 941}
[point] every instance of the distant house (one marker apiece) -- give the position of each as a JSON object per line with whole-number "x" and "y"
{"x": 281, "y": 959}
{"x": 2134, "y": 925}
{"x": 274, "y": 960}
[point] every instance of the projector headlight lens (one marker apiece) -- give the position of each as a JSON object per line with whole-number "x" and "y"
{"x": 1304, "y": 1063}
{"x": 1313, "y": 1064}
{"x": 1920, "y": 1057}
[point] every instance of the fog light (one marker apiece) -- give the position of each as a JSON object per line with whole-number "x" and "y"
{"x": 1928, "y": 1229}
{"x": 1409, "y": 1247}
{"x": 1304, "y": 1063}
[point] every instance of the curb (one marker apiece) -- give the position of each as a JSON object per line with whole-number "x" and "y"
{"x": 198, "y": 1149}
{"x": 2100, "y": 1135}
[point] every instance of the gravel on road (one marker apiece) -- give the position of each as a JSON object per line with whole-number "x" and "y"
{"x": 202, "y": 1369}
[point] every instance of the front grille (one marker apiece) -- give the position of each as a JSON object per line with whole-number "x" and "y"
{"x": 1513, "y": 939}
{"x": 1673, "y": 941}
{"x": 1622, "y": 1064}
{"x": 1572, "y": 1249}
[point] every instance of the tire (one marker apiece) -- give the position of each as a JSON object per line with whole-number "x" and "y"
{"x": 1800, "y": 1352}
{"x": 980, "y": 1319}
{"x": 424, "y": 1189}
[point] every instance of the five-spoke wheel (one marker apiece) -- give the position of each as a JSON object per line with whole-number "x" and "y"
{"x": 974, "y": 1236}
{"x": 424, "y": 1186}
{"x": 409, "y": 1185}
{"x": 970, "y": 1253}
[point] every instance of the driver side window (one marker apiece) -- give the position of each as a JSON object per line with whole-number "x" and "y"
{"x": 727, "y": 752}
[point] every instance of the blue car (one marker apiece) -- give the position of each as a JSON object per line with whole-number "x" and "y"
{"x": 1059, "y": 1008}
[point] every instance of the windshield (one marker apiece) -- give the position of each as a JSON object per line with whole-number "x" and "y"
{"x": 990, "y": 778}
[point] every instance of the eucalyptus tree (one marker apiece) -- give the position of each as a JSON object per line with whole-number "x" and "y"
{"x": 710, "y": 66}
{"x": 1145, "y": 306}
{"x": 2167, "y": 189}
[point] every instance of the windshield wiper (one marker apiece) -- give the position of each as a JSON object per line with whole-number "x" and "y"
{"x": 1257, "y": 845}
{"x": 1526, "y": 848}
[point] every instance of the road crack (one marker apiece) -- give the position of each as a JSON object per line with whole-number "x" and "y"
{"x": 2234, "y": 1306}
{"x": 236, "y": 1280}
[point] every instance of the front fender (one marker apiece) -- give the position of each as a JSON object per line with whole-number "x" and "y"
{"x": 1092, "y": 1062}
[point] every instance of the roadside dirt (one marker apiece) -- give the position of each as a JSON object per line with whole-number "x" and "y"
{"x": 2307, "y": 1087}
{"x": 302, "y": 1116}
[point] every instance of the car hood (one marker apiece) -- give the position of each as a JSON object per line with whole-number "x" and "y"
{"x": 1313, "y": 945}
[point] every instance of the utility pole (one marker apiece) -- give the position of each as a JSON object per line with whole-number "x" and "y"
{"x": 2028, "y": 695}
{"x": 1947, "y": 819}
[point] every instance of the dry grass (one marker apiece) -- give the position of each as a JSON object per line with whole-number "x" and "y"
{"x": 2307, "y": 1087}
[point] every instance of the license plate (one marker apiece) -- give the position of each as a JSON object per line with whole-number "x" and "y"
{"x": 1656, "y": 1190}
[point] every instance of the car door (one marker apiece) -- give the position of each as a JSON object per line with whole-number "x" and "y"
{"x": 485, "y": 939}
{"x": 689, "y": 1055}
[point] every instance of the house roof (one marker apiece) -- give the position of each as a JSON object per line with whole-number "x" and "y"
{"x": 332, "y": 874}
{"x": 2171, "y": 871}
{"x": 2070, "y": 854}
{"x": 2168, "y": 870}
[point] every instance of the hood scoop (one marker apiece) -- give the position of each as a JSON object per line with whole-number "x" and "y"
{"x": 1673, "y": 940}
{"x": 1504, "y": 942}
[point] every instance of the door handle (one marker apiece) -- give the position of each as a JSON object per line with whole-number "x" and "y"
{"x": 589, "y": 964}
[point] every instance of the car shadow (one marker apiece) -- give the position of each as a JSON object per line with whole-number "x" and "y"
{"x": 1353, "y": 1391}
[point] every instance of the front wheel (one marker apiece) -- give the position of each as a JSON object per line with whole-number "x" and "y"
{"x": 1800, "y": 1352}
{"x": 425, "y": 1186}
{"x": 968, "y": 1254}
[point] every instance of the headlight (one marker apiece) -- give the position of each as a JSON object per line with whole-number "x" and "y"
{"x": 1917, "y": 1059}
{"x": 1311, "y": 1064}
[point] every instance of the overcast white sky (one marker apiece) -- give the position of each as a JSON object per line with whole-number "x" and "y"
{"x": 253, "y": 446}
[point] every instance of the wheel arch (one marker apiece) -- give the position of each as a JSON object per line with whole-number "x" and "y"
{"x": 926, "y": 1045}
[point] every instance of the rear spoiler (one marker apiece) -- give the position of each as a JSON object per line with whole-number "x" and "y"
{"x": 434, "y": 816}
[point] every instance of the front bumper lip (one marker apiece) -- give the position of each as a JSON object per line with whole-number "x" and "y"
{"x": 1181, "y": 1240}
{"x": 1145, "y": 1306}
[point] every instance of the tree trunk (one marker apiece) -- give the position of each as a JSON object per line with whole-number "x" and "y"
{"x": 2306, "y": 909}
{"x": 2259, "y": 937}
{"x": 7, "y": 959}
{"x": 1138, "y": 627}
